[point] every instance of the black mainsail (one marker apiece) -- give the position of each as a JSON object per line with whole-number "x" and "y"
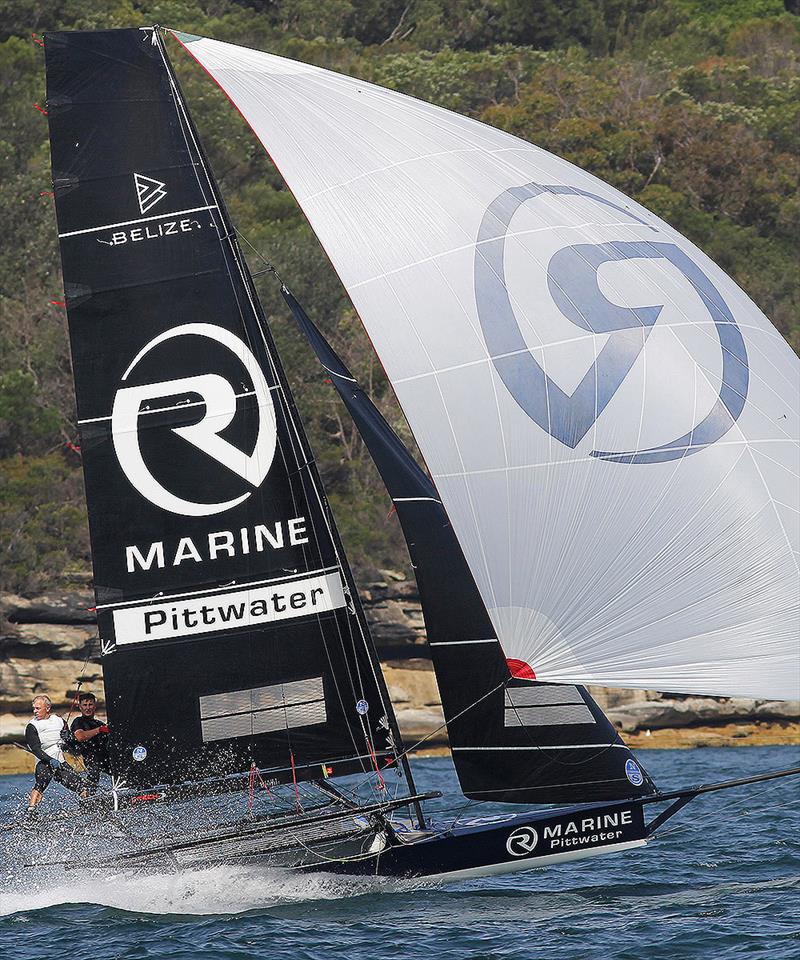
{"x": 231, "y": 629}
{"x": 513, "y": 738}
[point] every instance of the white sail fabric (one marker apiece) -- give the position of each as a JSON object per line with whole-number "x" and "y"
{"x": 612, "y": 424}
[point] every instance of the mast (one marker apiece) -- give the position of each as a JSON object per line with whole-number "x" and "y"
{"x": 231, "y": 631}
{"x": 306, "y": 457}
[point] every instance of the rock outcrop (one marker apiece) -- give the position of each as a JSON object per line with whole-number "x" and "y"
{"x": 46, "y": 646}
{"x": 694, "y": 711}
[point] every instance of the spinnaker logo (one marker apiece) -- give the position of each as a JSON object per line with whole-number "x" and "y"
{"x": 148, "y": 191}
{"x": 522, "y": 842}
{"x": 220, "y": 401}
{"x": 573, "y": 284}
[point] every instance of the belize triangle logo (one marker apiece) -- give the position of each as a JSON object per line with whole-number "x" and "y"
{"x": 148, "y": 191}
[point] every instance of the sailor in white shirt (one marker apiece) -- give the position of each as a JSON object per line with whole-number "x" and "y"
{"x": 43, "y": 737}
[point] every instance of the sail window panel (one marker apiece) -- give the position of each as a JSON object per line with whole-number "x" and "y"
{"x": 224, "y": 704}
{"x": 542, "y": 696}
{"x": 285, "y": 718}
{"x": 283, "y": 694}
{"x": 226, "y": 728}
{"x": 279, "y": 706}
{"x": 551, "y": 716}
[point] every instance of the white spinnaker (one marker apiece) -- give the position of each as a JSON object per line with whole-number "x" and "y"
{"x": 480, "y": 266}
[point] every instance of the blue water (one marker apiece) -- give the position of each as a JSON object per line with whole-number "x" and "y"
{"x": 722, "y": 882}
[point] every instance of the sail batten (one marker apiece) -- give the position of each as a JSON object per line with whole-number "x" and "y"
{"x": 612, "y": 425}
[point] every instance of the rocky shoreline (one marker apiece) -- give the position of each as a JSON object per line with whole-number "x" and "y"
{"x": 49, "y": 643}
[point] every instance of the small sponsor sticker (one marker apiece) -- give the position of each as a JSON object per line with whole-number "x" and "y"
{"x": 362, "y": 707}
{"x": 634, "y": 773}
{"x": 139, "y": 753}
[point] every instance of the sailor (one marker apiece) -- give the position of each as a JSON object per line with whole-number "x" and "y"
{"x": 91, "y": 740}
{"x": 43, "y": 737}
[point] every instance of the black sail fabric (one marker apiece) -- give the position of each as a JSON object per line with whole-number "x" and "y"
{"x": 231, "y": 631}
{"x": 513, "y": 739}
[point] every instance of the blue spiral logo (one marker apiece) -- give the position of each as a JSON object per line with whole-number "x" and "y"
{"x": 573, "y": 284}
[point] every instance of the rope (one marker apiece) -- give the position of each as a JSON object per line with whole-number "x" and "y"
{"x": 78, "y": 686}
{"x": 294, "y": 781}
{"x": 262, "y": 783}
{"x": 255, "y": 779}
{"x": 381, "y": 781}
{"x": 251, "y": 787}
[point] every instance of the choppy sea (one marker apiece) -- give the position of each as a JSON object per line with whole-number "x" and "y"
{"x": 722, "y": 881}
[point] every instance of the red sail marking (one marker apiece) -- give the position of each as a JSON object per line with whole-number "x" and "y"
{"x": 520, "y": 670}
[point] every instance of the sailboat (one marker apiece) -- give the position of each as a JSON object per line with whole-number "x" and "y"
{"x": 609, "y": 425}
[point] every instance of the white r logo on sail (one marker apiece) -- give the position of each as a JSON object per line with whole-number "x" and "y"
{"x": 219, "y": 398}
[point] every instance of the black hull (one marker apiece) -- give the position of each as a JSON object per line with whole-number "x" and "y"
{"x": 498, "y": 845}
{"x": 373, "y": 847}
{"x": 534, "y": 839}
{"x": 367, "y": 841}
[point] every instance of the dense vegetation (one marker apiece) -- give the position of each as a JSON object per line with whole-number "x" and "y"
{"x": 690, "y": 106}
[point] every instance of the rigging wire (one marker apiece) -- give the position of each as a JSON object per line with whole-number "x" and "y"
{"x": 78, "y": 685}
{"x": 269, "y": 267}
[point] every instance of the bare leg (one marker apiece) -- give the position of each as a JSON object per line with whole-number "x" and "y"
{"x": 35, "y": 798}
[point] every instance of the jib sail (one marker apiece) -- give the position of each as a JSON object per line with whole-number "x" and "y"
{"x": 231, "y": 631}
{"x": 513, "y": 739}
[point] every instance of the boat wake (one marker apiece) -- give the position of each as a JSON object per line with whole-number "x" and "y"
{"x": 217, "y": 890}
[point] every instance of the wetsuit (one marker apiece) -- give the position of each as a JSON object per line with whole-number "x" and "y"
{"x": 94, "y": 751}
{"x": 43, "y": 738}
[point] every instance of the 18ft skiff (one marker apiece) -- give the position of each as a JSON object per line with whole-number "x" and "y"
{"x": 611, "y": 429}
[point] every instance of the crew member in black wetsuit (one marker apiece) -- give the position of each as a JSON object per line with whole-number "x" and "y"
{"x": 43, "y": 735}
{"x": 91, "y": 739}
